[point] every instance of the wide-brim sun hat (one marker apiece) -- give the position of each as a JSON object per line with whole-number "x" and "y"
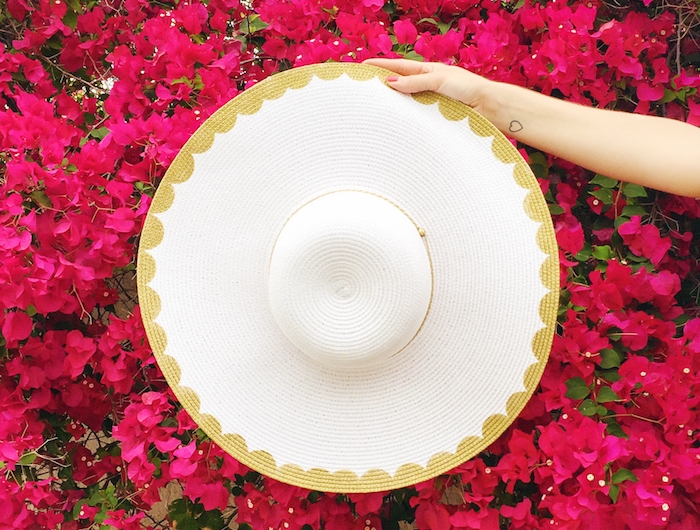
{"x": 349, "y": 289}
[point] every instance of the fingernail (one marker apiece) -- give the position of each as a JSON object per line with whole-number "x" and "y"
{"x": 392, "y": 79}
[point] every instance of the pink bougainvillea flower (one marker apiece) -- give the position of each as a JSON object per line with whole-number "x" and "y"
{"x": 367, "y": 503}
{"x": 405, "y": 31}
{"x": 520, "y": 514}
{"x": 18, "y": 8}
{"x": 212, "y": 495}
{"x": 569, "y": 234}
{"x": 16, "y": 327}
{"x": 646, "y": 92}
{"x": 433, "y": 516}
{"x": 484, "y": 519}
{"x": 694, "y": 114}
{"x": 375, "y": 4}
{"x": 644, "y": 240}
{"x": 79, "y": 349}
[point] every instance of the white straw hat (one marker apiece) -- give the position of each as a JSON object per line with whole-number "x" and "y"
{"x": 349, "y": 289}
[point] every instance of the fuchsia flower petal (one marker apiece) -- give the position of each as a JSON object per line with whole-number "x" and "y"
{"x": 16, "y": 327}
{"x": 646, "y": 92}
{"x": 405, "y": 31}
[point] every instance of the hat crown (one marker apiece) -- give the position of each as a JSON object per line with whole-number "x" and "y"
{"x": 350, "y": 279}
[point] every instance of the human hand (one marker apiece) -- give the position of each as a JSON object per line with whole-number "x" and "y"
{"x": 452, "y": 81}
{"x": 655, "y": 152}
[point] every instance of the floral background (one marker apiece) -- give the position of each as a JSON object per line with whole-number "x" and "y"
{"x": 96, "y": 98}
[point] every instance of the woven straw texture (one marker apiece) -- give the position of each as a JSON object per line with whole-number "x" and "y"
{"x": 203, "y": 280}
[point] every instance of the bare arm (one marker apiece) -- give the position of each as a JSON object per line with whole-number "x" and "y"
{"x": 656, "y": 152}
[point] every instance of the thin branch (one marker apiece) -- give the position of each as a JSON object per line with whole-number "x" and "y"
{"x": 72, "y": 76}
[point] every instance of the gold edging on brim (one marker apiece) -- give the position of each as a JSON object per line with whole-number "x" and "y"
{"x": 345, "y": 481}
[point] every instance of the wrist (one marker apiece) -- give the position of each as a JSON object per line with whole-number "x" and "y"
{"x": 493, "y": 104}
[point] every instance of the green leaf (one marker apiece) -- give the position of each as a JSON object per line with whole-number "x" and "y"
{"x": 538, "y": 164}
{"x": 27, "y": 459}
{"x": 555, "y": 209}
{"x": 614, "y": 429}
{"x": 412, "y": 55}
{"x": 624, "y": 474}
{"x": 197, "y": 83}
{"x": 111, "y": 498}
{"x": 100, "y": 516}
{"x": 633, "y": 209}
{"x": 680, "y": 320}
{"x": 55, "y": 42}
{"x": 389, "y": 8}
{"x": 609, "y": 358}
{"x": 576, "y": 388}
{"x": 604, "y": 182}
{"x": 252, "y": 24}
{"x": 604, "y": 195}
{"x": 96, "y": 498}
{"x": 41, "y": 199}
{"x": 31, "y": 310}
{"x": 431, "y": 20}
{"x": 620, "y": 220}
{"x": 76, "y": 509}
{"x": 211, "y": 519}
{"x": 539, "y": 171}
{"x": 614, "y": 492}
{"x": 187, "y": 523}
{"x": 669, "y": 95}
{"x": 601, "y": 410}
{"x": 633, "y": 190}
{"x": 602, "y": 266}
{"x": 99, "y": 133}
{"x": 602, "y": 252}
{"x": 537, "y": 157}
{"x": 71, "y": 19}
{"x": 181, "y": 80}
{"x": 177, "y": 508}
{"x": 170, "y": 421}
{"x": 158, "y": 463}
{"x": 201, "y": 435}
{"x": 601, "y": 223}
{"x": 607, "y": 395}
{"x": 244, "y": 42}
{"x": 588, "y": 408}
{"x": 444, "y": 27}
{"x": 585, "y": 253}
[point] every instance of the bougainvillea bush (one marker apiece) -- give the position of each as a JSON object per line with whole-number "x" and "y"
{"x": 96, "y": 98}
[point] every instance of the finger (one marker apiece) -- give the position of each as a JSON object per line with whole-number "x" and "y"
{"x": 400, "y": 66}
{"x": 415, "y": 83}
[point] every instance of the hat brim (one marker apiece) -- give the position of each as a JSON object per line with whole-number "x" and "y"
{"x": 202, "y": 280}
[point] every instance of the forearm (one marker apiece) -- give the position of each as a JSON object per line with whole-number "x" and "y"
{"x": 650, "y": 151}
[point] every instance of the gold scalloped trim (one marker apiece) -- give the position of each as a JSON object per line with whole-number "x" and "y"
{"x": 182, "y": 168}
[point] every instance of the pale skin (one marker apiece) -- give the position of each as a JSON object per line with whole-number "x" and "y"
{"x": 655, "y": 152}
